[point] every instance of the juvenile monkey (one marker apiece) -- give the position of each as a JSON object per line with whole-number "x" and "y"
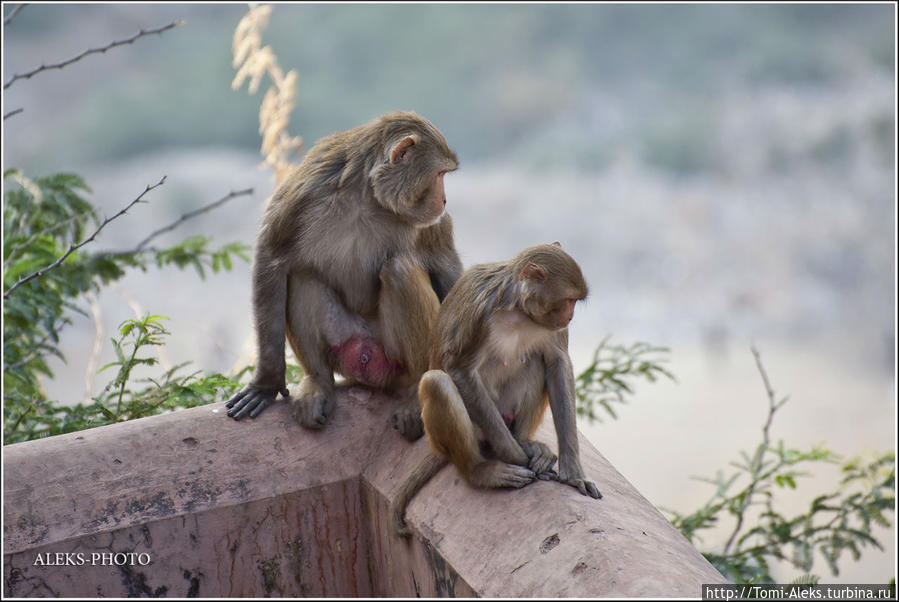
{"x": 353, "y": 255}
{"x": 499, "y": 356}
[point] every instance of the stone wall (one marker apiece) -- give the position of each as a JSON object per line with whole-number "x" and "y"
{"x": 192, "y": 503}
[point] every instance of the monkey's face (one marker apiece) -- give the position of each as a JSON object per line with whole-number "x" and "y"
{"x": 551, "y": 285}
{"x": 409, "y": 181}
{"x": 559, "y": 315}
{"x": 428, "y": 208}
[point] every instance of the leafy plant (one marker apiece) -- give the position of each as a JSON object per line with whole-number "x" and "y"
{"x": 46, "y": 270}
{"x": 609, "y": 377}
{"x": 836, "y": 523}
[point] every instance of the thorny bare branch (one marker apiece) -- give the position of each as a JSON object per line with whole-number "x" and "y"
{"x": 67, "y": 62}
{"x": 74, "y": 247}
{"x": 12, "y": 15}
{"x": 140, "y": 246}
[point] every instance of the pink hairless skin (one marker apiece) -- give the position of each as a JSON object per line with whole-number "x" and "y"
{"x": 365, "y": 361}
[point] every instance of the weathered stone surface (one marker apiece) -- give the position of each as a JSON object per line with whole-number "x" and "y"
{"x": 266, "y": 508}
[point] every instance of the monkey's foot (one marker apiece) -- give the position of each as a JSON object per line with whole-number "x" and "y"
{"x": 540, "y": 457}
{"x": 365, "y": 361}
{"x": 407, "y": 420}
{"x": 584, "y": 486}
{"x": 312, "y": 406}
{"x": 495, "y": 473}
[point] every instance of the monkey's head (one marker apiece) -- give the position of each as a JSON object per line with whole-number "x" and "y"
{"x": 408, "y": 175}
{"x": 551, "y": 283}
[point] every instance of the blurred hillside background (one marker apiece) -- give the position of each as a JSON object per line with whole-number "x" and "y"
{"x": 725, "y": 175}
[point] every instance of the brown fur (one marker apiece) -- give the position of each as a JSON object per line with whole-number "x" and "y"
{"x": 354, "y": 243}
{"x": 499, "y": 357}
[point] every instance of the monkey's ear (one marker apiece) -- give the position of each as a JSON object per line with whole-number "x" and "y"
{"x": 532, "y": 271}
{"x": 556, "y": 244}
{"x": 401, "y": 149}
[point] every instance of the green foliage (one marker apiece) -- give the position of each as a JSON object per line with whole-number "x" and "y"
{"x": 807, "y": 579}
{"x": 835, "y": 523}
{"x": 120, "y": 400}
{"x": 43, "y": 218}
{"x": 610, "y": 375}
{"x": 193, "y": 252}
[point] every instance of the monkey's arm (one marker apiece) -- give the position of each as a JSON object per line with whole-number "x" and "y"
{"x": 560, "y": 388}
{"x": 436, "y": 248}
{"x": 269, "y": 307}
{"x": 484, "y": 414}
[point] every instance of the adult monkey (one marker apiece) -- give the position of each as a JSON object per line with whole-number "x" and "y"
{"x": 499, "y": 357}
{"x": 353, "y": 255}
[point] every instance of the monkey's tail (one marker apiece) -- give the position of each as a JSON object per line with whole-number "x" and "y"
{"x": 421, "y": 474}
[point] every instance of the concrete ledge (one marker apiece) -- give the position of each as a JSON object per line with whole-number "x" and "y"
{"x": 267, "y": 508}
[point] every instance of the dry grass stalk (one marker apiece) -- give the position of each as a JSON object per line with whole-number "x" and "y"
{"x": 254, "y": 61}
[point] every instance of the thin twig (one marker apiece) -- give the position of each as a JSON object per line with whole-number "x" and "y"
{"x": 142, "y": 245}
{"x": 772, "y": 404}
{"x": 756, "y": 466}
{"x": 188, "y": 216}
{"x": 73, "y": 247}
{"x": 13, "y": 14}
{"x": 11, "y": 113}
{"x": 65, "y": 63}
{"x": 21, "y": 417}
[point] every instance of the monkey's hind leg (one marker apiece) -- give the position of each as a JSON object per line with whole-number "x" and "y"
{"x": 407, "y": 308}
{"x": 452, "y": 434}
{"x": 316, "y": 322}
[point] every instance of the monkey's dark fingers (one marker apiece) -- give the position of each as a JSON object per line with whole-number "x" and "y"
{"x": 312, "y": 410}
{"x": 540, "y": 457}
{"x": 585, "y": 487}
{"x": 246, "y": 405}
{"x": 236, "y": 403}
{"x": 548, "y": 475}
{"x": 516, "y": 476}
{"x": 542, "y": 462}
{"x": 592, "y": 491}
{"x": 261, "y": 406}
{"x": 230, "y": 403}
{"x": 251, "y": 405}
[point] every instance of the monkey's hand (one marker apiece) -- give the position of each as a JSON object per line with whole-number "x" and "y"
{"x": 252, "y": 400}
{"x": 540, "y": 457}
{"x": 574, "y": 476}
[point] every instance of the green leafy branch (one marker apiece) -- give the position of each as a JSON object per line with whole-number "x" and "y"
{"x": 73, "y": 246}
{"x": 121, "y": 399}
{"x": 609, "y": 377}
{"x": 835, "y": 523}
{"x": 47, "y": 269}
